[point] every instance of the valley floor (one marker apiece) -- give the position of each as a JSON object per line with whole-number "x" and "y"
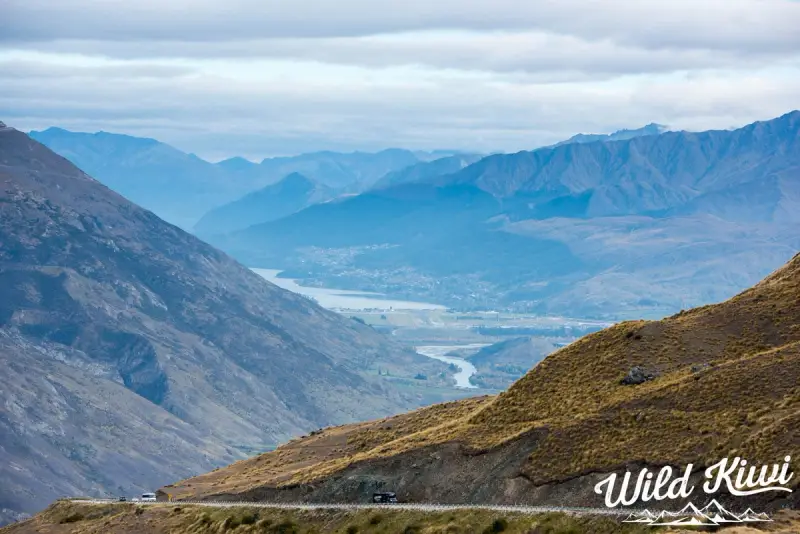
{"x": 66, "y": 517}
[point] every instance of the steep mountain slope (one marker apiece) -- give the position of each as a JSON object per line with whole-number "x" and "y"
{"x": 644, "y": 174}
{"x": 576, "y": 229}
{"x": 289, "y": 195}
{"x": 716, "y": 382}
{"x": 134, "y": 353}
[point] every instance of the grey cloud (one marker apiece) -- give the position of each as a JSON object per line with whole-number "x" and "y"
{"x": 744, "y": 25}
{"x": 211, "y": 115}
{"x": 40, "y": 70}
{"x": 552, "y": 57}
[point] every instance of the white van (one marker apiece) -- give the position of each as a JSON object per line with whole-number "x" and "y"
{"x": 148, "y": 497}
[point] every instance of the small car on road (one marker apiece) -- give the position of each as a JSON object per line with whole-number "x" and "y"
{"x": 384, "y": 497}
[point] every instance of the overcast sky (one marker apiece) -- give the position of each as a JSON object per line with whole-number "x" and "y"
{"x": 268, "y": 77}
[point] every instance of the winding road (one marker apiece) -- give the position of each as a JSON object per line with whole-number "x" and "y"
{"x": 426, "y": 507}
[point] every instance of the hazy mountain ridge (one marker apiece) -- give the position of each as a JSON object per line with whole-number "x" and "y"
{"x": 178, "y": 186}
{"x": 703, "y": 191}
{"x": 182, "y": 188}
{"x": 643, "y": 174}
{"x": 619, "y": 135}
{"x": 427, "y": 170}
{"x": 134, "y": 352}
{"x": 287, "y": 196}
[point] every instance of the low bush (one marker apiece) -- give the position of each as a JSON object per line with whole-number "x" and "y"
{"x": 73, "y": 518}
{"x": 498, "y": 525}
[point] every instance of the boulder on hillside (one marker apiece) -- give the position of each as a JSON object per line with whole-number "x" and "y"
{"x": 636, "y": 376}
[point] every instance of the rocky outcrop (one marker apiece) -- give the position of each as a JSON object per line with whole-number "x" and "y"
{"x": 637, "y": 376}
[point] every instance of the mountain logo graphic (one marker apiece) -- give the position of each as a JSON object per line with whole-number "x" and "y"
{"x": 713, "y": 514}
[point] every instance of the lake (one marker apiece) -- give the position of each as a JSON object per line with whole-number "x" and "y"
{"x": 343, "y": 299}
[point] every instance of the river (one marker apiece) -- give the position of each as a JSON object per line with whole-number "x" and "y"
{"x": 344, "y": 299}
{"x": 349, "y": 300}
{"x": 465, "y": 368}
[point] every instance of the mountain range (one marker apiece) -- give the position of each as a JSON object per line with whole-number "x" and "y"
{"x": 608, "y": 229}
{"x": 709, "y": 383}
{"x": 181, "y": 187}
{"x": 133, "y": 353}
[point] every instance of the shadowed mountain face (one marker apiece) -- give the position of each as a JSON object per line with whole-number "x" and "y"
{"x": 706, "y": 384}
{"x": 612, "y": 229}
{"x": 134, "y": 353}
{"x": 272, "y": 202}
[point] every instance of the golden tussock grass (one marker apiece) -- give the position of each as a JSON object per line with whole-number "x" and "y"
{"x": 728, "y": 383}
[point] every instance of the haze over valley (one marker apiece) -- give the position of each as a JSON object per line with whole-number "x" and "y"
{"x": 640, "y": 223}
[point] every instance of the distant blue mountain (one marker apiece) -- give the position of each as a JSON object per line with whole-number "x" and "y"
{"x": 648, "y": 174}
{"x": 655, "y": 222}
{"x": 619, "y": 135}
{"x": 237, "y": 164}
{"x": 355, "y": 170}
{"x": 181, "y": 187}
{"x": 177, "y": 186}
{"x": 427, "y": 170}
{"x": 289, "y": 195}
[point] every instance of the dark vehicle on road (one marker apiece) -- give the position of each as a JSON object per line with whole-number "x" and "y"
{"x": 386, "y": 497}
{"x": 122, "y": 499}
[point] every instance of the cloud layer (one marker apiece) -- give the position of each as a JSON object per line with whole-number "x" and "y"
{"x": 265, "y": 77}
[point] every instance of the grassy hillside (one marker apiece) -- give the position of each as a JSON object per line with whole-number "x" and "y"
{"x": 726, "y": 382}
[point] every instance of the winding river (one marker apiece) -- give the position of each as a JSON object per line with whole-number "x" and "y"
{"x": 465, "y": 368}
{"x": 348, "y": 300}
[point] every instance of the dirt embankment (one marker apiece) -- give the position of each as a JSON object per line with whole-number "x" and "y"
{"x": 451, "y": 474}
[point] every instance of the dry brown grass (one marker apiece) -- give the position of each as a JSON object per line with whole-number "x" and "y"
{"x": 746, "y": 399}
{"x": 326, "y": 447}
